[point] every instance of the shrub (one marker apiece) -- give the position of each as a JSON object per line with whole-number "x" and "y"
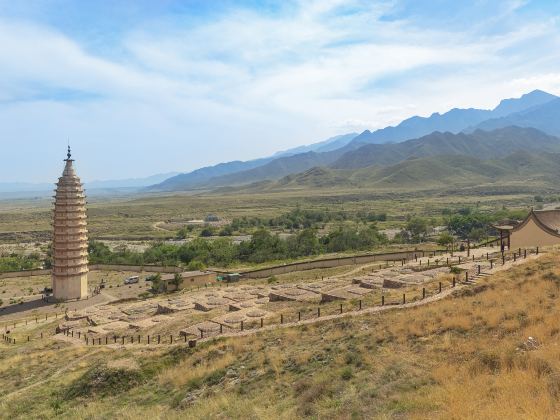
{"x": 346, "y": 374}
{"x": 104, "y": 382}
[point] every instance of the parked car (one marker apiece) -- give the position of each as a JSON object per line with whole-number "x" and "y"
{"x": 132, "y": 280}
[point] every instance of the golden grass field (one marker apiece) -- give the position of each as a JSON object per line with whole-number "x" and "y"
{"x": 466, "y": 356}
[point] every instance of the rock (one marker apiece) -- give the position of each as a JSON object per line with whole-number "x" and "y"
{"x": 190, "y": 398}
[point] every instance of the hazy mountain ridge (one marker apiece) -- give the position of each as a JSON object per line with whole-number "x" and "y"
{"x": 201, "y": 176}
{"x": 543, "y": 117}
{"x": 328, "y": 145}
{"x": 278, "y": 168}
{"x": 483, "y": 144}
{"x": 429, "y": 172}
{"x": 218, "y": 174}
{"x": 15, "y": 187}
{"x": 452, "y": 122}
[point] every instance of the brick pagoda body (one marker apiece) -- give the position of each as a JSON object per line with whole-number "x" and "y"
{"x": 70, "y": 243}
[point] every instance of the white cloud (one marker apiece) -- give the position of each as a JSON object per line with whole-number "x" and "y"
{"x": 247, "y": 84}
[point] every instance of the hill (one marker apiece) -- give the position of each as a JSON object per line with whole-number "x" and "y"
{"x": 453, "y": 121}
{"x": 328, "y": 145}
{"x": 430, "y": 172}
{"x": 543, "y": 117}
{"x": 469, "y": 355}
{"x": 277, "y": 168}
{"x": 483, "y": 144}
{"x": 327, "y": 152}
{"x": 219, "y": 174}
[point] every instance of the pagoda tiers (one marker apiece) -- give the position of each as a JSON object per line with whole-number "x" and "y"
{"x": 70, "y": 243}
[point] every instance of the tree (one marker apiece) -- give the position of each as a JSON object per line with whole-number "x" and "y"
{"x": 156, "y": 283}
{"x": 445, "y": 239}
{"x": 418, "y": 228}
{"x": 477, "y": 234}
{"x": 177, "y": 280}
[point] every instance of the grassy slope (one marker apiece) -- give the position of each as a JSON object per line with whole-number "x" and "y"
{"x": 458, "y": 358}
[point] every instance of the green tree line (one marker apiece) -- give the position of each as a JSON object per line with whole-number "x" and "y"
{"x": 263, "y": 246}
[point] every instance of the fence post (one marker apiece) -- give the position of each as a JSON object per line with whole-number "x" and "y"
{"x": 525, "y": 253}
{"x": 466, "y": 276}
{"x": 514, "y": 256}
{"x": 440, "y": 287}
{"x": 403, "y": 298}
{"x": 453, "y": 281}
{"x": 341, "y": 308}
{"x": 478, "y": 268}
{"x": 262, "y": 322}
{"x": 171, "y": 338}
{"x": 281, "y": 318}
{"x": 382, "y": 300}
{"x": 123, "y": 339}
{"x": 149, "y": 338}
{"x": 241, "y": 325}
{"x": 537, "y": 250}
{"x": 423, "y": 293}
{"x": 360, "y": 303}
{"x": 159, "y": 337}
{"x": 139, "y": 338}
{"x": 318, "y": 312}
{"x": 221, "y": 329}
{"x": 503, "y": 259}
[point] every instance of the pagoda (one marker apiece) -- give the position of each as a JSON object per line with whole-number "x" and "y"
{"x": 70, "y": 242}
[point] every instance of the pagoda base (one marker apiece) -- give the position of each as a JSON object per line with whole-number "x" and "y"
{"x": 72, "y": 287}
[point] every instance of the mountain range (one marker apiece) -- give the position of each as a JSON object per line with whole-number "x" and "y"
{"x": 511, "y": 155}
{"x": 131, "y": 183}
{"x": 478, "y": 133}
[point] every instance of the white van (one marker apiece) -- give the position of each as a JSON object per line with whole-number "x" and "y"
{"x": 132, "y": 280}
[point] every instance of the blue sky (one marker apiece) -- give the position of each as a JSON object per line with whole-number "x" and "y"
{"x": 144, "y": 87}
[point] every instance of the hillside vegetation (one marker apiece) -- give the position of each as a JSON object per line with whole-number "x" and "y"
{"x": 489, "y": 351}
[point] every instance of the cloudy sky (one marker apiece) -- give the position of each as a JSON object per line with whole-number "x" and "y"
{"x": 144, "y": 87}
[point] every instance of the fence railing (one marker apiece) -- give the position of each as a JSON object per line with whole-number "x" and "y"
{"x": 292, "y": 318}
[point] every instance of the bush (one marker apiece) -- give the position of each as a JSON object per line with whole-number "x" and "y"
{"x": 346, "y": 374}
{"x": 103, "y": 381}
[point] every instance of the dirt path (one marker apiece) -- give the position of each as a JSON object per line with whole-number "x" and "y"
{"x": 375, "y": 309}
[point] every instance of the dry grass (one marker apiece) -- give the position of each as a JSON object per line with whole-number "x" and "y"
{"x": 464, "y": 357}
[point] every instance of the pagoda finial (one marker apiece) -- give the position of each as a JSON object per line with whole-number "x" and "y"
{"x": 69, "y": 154}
